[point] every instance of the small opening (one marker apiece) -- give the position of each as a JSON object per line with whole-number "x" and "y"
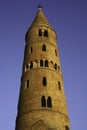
{"x": 41, "y": 63}
{"x": 55, "y": 52}
{"x": 46, "y": 63}
{"x": 43, "y": 101}
{"x": 59, "y": 85}
{"x": 31, "y": 65}
{"x": 49, "y": 102}
{"x": 44, "y": 48}
{"x": 55, "y": 66}
{"x": 40, "y": 32}
{"x": 31, "y": 49}
{"x": 44, "y": 81}
{"x": 45, "y": 33}
{"x": 66, "y": 128}
{"x": 27, "y": 84}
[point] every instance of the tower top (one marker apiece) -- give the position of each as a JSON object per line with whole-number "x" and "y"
{"x": 40, "y": 18}
{"x": 39, "y": 7}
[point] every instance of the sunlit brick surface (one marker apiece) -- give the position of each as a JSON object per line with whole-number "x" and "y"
{"x": 41, "y": 62}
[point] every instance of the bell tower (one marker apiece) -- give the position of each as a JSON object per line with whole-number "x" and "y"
{"x": 42, "y": 103}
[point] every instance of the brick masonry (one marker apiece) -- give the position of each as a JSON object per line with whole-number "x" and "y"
{"x": 31, "y": 114}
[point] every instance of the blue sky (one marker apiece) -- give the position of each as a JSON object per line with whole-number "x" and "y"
{"x": 69, "y": 19}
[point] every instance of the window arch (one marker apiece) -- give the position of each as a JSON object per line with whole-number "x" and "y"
{"x": 40, "y": 32}
{"x": 49, "y": 102}
{"x": 46, "y": 63}
{"x": 44, "y": 48}
{"x": 41, "y": 63}
{"x": 43, "y": 101}
{"x": 45, "y": 33}
{"x": 55, "y": 52}
{"x": 59, "y": 85}
{"x": 44, "y": 81}
{"x": 31, "y": 65}
{"x": 26, "y": 84}
{"x": 55, "y": 66}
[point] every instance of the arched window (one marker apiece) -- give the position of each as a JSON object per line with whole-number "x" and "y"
{"x": 43, "y": 101}
{"x": 44, "y": 48}
{"x": 44, "y": 81}
{"x": 45, "y": 33}
{"x": 55, "y": 66}
{"x": 26, "y": 84}
{"x": 46, "y": 63}
{"x": 59, "y": 85}
{"x": 66, "y": 128}
{"x": 49, "y": 102}
{"x": 40, "y": 32}
{"x": 55, "y": 52}
{"x": 41, "y": 63}
{"x": 31, "y": 65}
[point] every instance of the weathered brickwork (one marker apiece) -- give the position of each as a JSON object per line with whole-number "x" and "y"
{"x": 42, "y": 103}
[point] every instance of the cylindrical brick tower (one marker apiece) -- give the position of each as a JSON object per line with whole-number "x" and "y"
{"x": 42, "y": 103}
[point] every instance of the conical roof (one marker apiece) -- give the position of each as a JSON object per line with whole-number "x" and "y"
{"x": 40, "y": 18}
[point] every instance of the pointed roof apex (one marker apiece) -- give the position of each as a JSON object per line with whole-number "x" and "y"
{"x": 39, "y": 7}
{"x": 40, "y": 18}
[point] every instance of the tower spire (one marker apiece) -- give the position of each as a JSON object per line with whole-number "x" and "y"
{"x": 39, "y": 7}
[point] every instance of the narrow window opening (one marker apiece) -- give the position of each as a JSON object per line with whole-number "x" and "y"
{"x": 41, "y": 63}
{"x": 44, "y": 81}
{"x": 31, "y": 49}
{"x": 59, "y": 85}
{"x": 46, "y": 63}
{"x": 44, "y": 48}
{"x": 45, "y": 33}
{"x": 43, "y": 101}
{"x": 49, "y": 102}
{"x": 27, "y": 84}
{"x": 55, "y": 52}
{"x": 40, "y": 32}
{"x": 31, "y": 65}
{"x": 55, "y": 66}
